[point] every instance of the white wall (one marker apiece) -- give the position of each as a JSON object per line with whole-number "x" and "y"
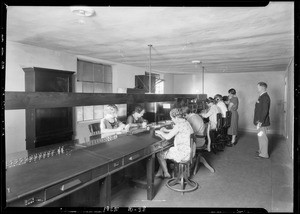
{"x": 246, "y": 87}
{"x": 290, "y": 108}
{"x": 20, "y": 55}
{"x": 169, "y": 83}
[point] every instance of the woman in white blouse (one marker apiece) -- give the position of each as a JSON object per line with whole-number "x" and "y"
{"x": 221, "y": 105}
{"x": 211, "y": 113}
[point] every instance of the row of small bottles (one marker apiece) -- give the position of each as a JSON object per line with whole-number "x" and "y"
{"x": 36, "y": 157}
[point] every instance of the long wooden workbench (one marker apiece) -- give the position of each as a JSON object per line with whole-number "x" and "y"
{"x": 50, "y": 177}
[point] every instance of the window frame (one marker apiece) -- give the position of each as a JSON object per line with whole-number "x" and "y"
{"x": 107, "y": 87}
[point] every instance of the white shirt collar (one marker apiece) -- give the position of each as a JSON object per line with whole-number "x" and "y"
{"x": 262, "y": 93}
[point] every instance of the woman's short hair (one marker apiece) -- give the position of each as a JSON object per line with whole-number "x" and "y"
{"x": 138, "y": 109}
{"x": 176, "y": 112}
{"x": 218, "y": 97}
{"x": 186, "y": 110}
{"x": 210, "y": 100}
{"x": 263, "y": 84}
{"x": 225, "y": 98}
{"x": 110, "y": 109}
{"x": 232, "y": 91}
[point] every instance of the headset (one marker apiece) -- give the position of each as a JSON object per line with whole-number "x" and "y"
{"x": 218, "y": 97}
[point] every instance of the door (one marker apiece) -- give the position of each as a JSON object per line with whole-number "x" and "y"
{"x": 285, "y": 106}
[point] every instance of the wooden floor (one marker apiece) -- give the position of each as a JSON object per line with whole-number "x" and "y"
{"x": 240, "y": 181}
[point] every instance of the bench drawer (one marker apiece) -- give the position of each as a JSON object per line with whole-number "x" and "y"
{"x": 67, "y": 185}
{"x": 100, "y": 171}
{"x": 133, "y": 157}
{"x": 31, "y": 200}
{"x": 116, "y": 164}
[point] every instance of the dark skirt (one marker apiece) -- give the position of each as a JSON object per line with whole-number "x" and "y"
{"x": 233, "y": 129}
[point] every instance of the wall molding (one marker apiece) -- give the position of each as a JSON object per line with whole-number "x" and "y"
{"x": 270, "y": 131}
{"x": 27, "y": 100}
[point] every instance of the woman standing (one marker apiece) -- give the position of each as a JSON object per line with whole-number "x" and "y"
{"x": 233, "y": 106}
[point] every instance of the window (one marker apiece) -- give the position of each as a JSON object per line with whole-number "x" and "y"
{"x": 92, "y": 78}
{"x": 159, "y": 87}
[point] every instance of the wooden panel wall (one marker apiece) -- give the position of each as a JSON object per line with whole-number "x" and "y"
{"x": 25, "y": 100}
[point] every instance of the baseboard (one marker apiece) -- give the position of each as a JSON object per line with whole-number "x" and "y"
{"x": 270, "y": 131}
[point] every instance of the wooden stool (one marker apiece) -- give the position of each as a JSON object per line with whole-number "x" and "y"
{"x": 183, "y": 174}
{"x": 182, "y": 179}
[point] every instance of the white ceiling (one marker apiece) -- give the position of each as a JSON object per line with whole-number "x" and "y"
{"x": 224, "y": 39}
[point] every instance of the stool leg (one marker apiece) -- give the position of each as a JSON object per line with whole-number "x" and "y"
{"x": 181, "y": 176}
{"x": 173, "y": 172}
{"x": 176, "y": 181}
{"x": 186, "y": 178}
{"x": 183, "y": 172}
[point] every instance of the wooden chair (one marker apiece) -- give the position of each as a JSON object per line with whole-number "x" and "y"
{"x": 95, "y": 131}
{"x": 183, "y": 173}
{"x": 217, "y": 144}
{"x": 226, "y": 125}
{"x": 200, "y": 150}
{"x": 227, "y": 121}
{"x": 222, "y": 138}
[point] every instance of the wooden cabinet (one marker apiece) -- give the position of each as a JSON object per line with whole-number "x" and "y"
{"x": 142, "y": 82}
{"x": 45, "y": 126}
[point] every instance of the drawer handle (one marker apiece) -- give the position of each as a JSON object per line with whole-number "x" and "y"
{"x": 116, "y": 164}
{"x": 70, "y": 185}
{"x": 134, "y": 157}
{"x": 32, "y": 200}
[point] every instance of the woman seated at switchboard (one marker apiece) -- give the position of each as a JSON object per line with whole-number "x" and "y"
{"x": 221, "y": 105}
{"x": 110, "y": 124}
{"x": 211, "y": 113}
{"x": 136, "y": 118}
{"x": 197, "y": 124}
{"x": 181, "y": 150}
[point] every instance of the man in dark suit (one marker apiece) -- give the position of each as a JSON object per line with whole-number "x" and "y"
{"x": 262, "y": 119}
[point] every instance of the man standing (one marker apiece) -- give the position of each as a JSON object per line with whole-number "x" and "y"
{"x": 262, "y": 119}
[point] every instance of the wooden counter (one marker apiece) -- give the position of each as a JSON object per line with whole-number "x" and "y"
{"x": 47, "y": 180}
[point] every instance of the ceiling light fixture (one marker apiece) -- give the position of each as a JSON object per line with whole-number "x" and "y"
{"x": 196, "y": 61}
{"x": 83, "y": 11}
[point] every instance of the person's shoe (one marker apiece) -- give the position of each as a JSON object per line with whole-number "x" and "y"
{"x": 235, "y": 142}
{"x": 167, "y": 176}
{"x": 229, "y": 144}
{"x": 261, "y": 157}
{"x": 159, "y": 176}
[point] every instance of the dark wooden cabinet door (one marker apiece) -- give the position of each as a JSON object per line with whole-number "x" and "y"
{"x": 45, "y": 126}
{"x": 142, "y": 82}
